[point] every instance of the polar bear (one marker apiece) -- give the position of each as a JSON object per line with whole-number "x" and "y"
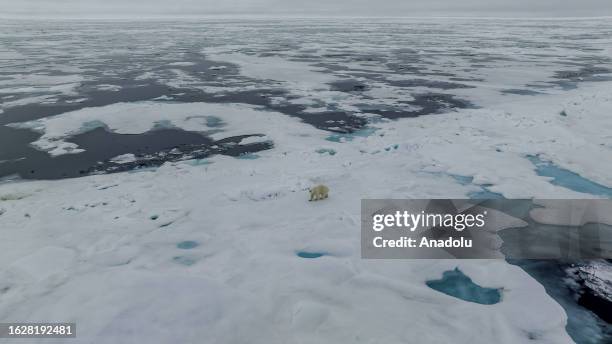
{"x": 319, "y": 192}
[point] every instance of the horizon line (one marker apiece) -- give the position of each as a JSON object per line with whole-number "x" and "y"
{"x": 282, "y": 16}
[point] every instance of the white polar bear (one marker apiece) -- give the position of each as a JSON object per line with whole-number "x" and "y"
{"x": 319, "y": 192}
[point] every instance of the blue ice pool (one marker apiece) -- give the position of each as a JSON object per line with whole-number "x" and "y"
{"x": 483, "y": 193}
{"x": 568, "y": 179}
{"x": 463, "y": 180}
{"x": 326, "y": 151}
{"x": 310, "y": 255}
{"x": 199, "y": 162}
{"x": 187, "y": 245}
{"x": 214, "y": 122}
{"x": 455, "y": 283}
{"x": 187, "y": 261}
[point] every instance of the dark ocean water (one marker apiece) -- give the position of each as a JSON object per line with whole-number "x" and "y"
{"x": 433, "y": 67}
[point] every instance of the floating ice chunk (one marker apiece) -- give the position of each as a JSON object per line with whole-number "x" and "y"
{"x": 592, "y": 282}
{"x": 253, "y": 139}
{"x": 60, "y": 148}
{"x": 140, "y": 117}
{"x": 182, "y": 64}
{"x": 124, "y": 158}
{"x": 296, "y": 74}
{"x": 109, "y": 87}
{"x": 74, "y": 101}
{"x": 44, "y": 99}
{"x": 164, "y": 97}
{"x": 64, "y": 84}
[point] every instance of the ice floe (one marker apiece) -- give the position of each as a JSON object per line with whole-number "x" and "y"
{"x": 252, "y": 219}
{"x": 116, "y": 252}
{"x": 217, "y": 120}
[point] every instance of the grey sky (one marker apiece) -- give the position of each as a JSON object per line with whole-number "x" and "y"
{"x": 129, "y": 8}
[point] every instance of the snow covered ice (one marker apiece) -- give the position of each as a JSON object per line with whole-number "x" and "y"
{"x": 215, "y": 241}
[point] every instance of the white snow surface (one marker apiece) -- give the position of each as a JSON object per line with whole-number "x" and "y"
{"x": 101, "y": 250}
{"x": 294, "y": 74}
{"x": 117, "y": 272}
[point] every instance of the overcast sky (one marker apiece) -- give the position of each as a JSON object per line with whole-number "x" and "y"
{"x": 131, "y": 8}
